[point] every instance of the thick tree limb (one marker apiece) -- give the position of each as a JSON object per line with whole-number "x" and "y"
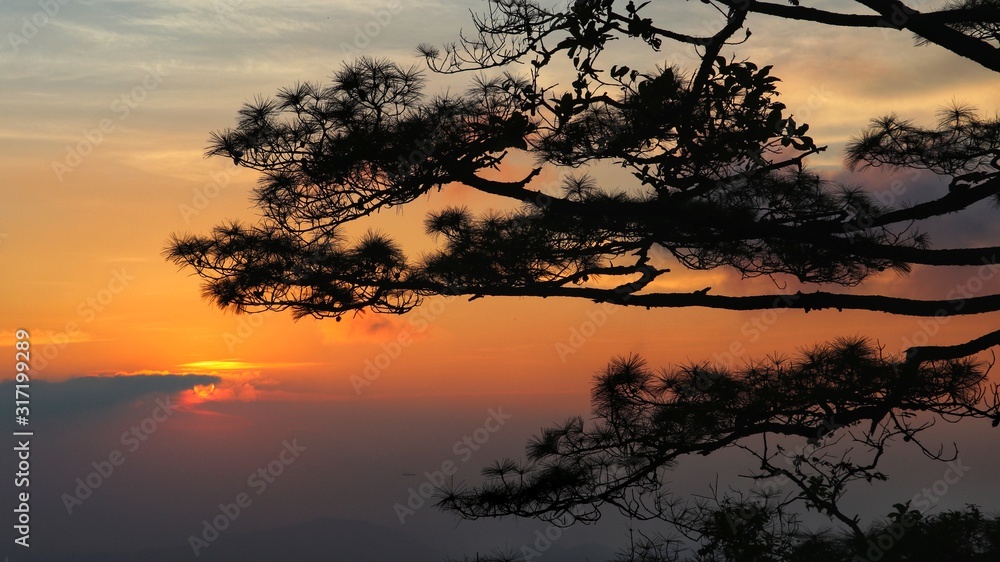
{"x": 954, "y": 201}
{"x": 901, "y": 16}
{"x": 804, "y": 13}
{"x": 948, "y": 352}
{"x": 957, "y": 305}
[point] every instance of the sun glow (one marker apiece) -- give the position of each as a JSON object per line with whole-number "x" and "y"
{"x": 218, "y": 365}
{"x": 204, "y": 390}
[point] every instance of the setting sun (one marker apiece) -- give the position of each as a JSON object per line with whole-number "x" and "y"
{"x": 219, "y": 366}
{"x": 204, "y": 390}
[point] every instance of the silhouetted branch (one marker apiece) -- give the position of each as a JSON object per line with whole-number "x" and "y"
{"x": 645, "y": 422}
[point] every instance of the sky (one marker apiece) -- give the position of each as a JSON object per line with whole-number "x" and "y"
{"x": 105, "y": 111}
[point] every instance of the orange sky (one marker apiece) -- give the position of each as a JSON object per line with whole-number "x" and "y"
{"x": 73, "y": 237}
{"x": 139, "y": 88}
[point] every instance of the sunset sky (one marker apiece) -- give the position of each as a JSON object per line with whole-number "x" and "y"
{"x": 105, "y": 113}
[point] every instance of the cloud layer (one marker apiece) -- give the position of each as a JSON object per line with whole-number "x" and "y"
{"x": 79, "y": 394}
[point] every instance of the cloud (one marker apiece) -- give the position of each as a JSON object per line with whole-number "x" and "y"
{"x": 368, "y": 328}
{"x": 50, "y": 399}
{"x": 239, "y": 387}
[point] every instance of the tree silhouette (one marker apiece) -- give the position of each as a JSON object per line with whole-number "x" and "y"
{"x": 844, "y": 400}
{"x": 720, "y": 181}
{"x": 720, "y": 170}
{"x": 904, "y": 536}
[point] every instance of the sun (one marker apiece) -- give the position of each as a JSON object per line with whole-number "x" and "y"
{"x": 204, "y": 390}
{"x": 217, "y": 365}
